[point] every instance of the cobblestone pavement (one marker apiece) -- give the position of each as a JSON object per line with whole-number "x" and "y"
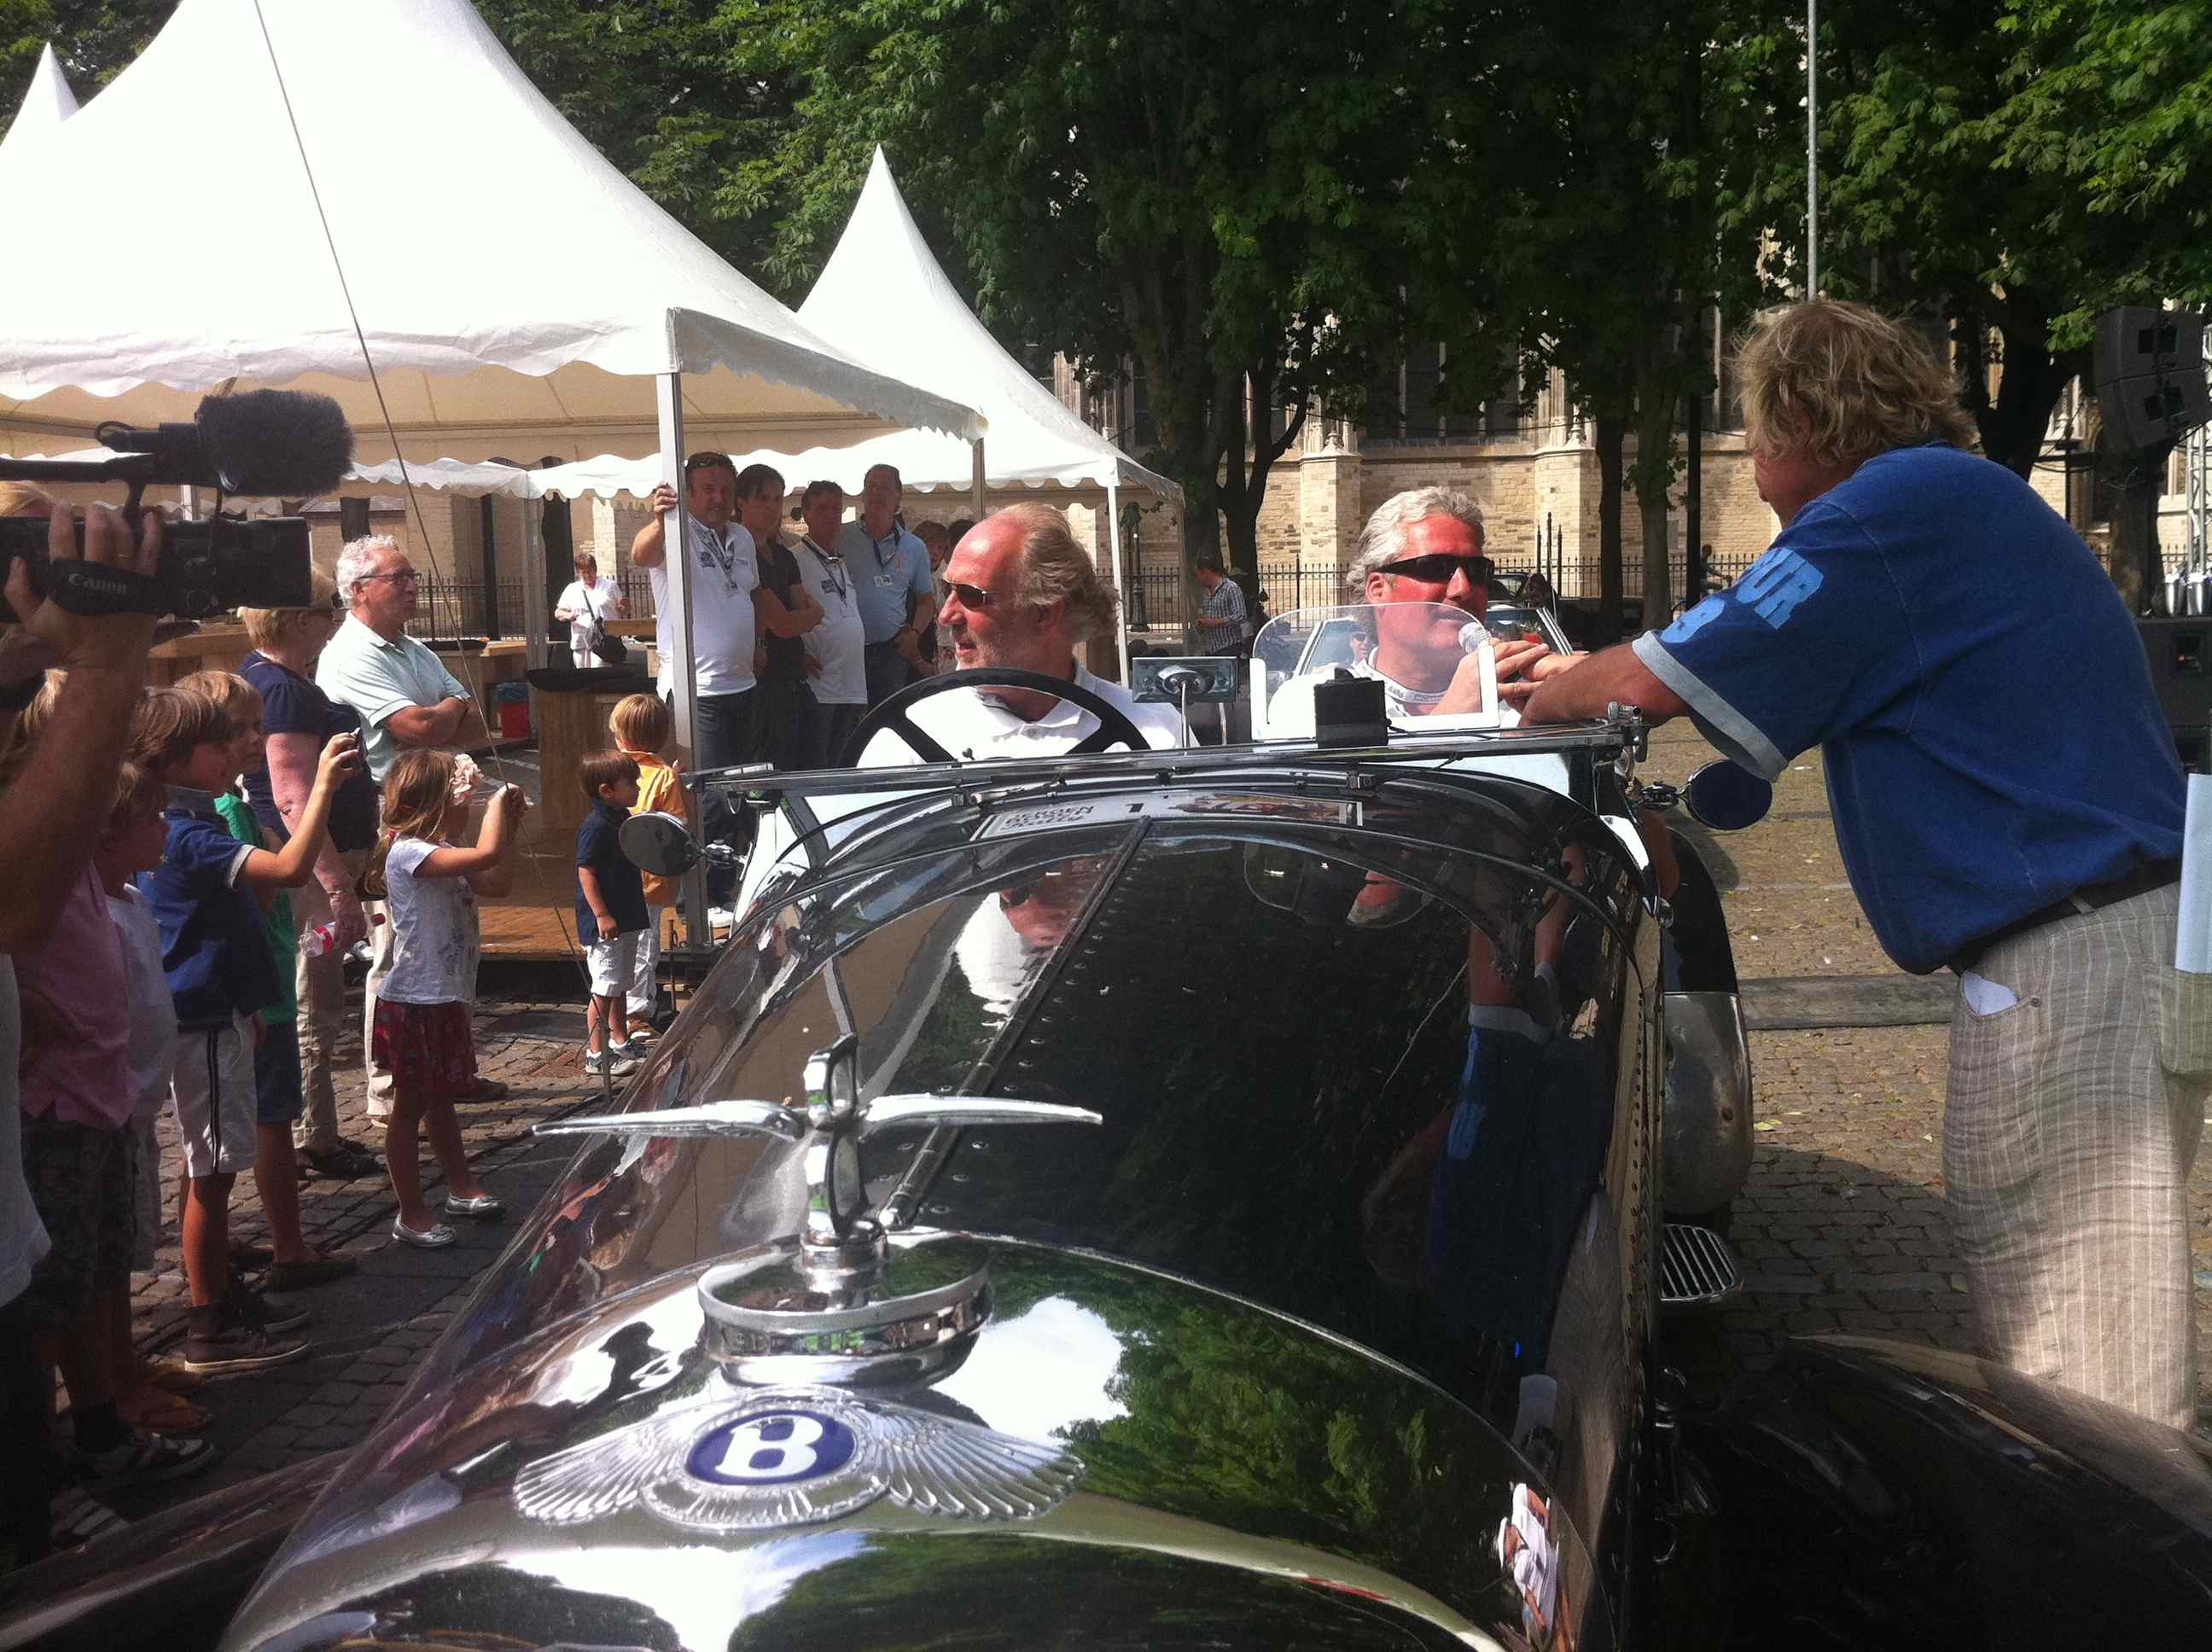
{"x": 1841, "y": 1228}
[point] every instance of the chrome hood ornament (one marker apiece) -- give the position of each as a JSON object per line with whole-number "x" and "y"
{"x": 795, "y": 1325}
{"x": 840, "y": 1303}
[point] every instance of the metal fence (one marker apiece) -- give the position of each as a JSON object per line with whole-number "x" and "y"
{"x": 456, "y": 608}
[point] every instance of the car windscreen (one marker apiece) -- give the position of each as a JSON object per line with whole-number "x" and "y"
{"x": 1365, "y": 1078}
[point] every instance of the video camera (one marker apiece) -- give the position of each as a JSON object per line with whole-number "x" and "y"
{"x": 264, "y": 443}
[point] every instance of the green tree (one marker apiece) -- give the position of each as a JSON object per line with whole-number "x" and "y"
{"x": 1212, "y": 193}
{"x": 93, "y": 39}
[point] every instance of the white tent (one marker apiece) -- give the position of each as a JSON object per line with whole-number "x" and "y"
{"x": 412, "y": 119}
{"x": 47, "y": 103}
{"x": 884, "y": 299}
{"x": 517, "y": 295}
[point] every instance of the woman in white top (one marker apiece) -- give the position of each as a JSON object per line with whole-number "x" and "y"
{"x": 588, "y": 600}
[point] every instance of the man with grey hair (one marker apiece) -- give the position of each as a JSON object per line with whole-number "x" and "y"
{"x": 1425, "y": 545}
{"x": 405, "y": 697}
{"x": 1021, "y": 594}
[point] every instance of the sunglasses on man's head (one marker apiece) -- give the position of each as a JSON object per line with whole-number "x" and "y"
{"x": 1438, "y": 567}
{"x": 708, "y": 461}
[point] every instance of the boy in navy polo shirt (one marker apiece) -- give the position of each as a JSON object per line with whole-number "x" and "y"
{"x": 610, "y": 913}
{"x": 215, "y": 952}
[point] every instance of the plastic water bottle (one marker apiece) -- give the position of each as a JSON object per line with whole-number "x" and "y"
{"x": 319, "y": 939}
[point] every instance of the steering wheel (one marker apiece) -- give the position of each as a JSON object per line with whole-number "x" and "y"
{"x": 892, "y": 713}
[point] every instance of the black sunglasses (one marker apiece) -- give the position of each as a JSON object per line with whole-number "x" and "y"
{"x": 1438, "y": 567}
{"x": 971, "y": 596}
{"x": 708, "y": 461}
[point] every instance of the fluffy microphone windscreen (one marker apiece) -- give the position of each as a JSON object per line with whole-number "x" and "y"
{"x": 291, "y": 444}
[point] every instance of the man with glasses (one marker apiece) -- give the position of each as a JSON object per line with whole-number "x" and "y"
{"x": 892, "y": 580}
{"x": 1021, "y": 594}
{"x": 725, "y": 573}
{"x": 405, "y": 697}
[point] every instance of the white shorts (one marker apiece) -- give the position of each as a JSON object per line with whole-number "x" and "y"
{"x": 613, "y": 964}
{"x": 211, "y": 1087}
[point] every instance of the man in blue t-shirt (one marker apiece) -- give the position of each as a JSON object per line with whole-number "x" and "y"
{"x": 892, "y": 584}
{"x": 2009, "y": 802}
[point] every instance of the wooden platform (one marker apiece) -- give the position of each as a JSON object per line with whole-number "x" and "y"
{"x": 538, "y": 922}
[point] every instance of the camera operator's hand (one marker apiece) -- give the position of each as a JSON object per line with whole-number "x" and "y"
{"x": 112, "y": 642}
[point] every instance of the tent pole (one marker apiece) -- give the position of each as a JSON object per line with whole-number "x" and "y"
{"x": 976, "y": 478}
{"x": 1114, "y": 549}
{"x": 684, "y": 668}
{"x": 536, "y": 616}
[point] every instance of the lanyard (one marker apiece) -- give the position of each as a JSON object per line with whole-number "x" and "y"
{"x": 834, "y": 565}
{"x": 720, "y": 555}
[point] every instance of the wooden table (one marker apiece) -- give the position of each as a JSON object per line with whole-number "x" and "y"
{"x": 571, "y": 724}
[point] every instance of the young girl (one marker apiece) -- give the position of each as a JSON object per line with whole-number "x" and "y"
{"x": 421, "y": 1035}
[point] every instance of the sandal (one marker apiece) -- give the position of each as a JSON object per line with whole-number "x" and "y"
{"x": 74, "y": 1517}
{"x": 436, "y": 1237}
{"x": 170, "y": 1374}
{"x": 159, "y": 1411}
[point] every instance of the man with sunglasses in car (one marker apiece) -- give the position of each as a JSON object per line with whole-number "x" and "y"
{"x": 1021, "y": 594}
{"x": 1420, "y": 548}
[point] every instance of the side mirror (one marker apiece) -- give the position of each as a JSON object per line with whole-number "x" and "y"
{"x": 660, "y": 843}
{"x": 1723, "y": 795}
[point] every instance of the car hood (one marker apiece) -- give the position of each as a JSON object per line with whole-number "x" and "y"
{"x": 1239, "y": 1478}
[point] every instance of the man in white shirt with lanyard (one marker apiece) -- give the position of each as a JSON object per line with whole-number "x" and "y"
{"x": 836, "y": 668}
{"x": 724, "y": 575}
{"x": 1021, "y": 594}
{"x": 891, "y": 577}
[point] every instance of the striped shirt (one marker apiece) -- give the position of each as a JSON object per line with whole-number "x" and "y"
{"x": 1221, "y": 618}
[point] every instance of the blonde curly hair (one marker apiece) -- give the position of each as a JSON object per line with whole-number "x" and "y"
{"x": 1837, "y": 383}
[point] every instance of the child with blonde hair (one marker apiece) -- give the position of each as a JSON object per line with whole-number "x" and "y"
{"x": 422, "y": 1033}
{"x": 643, "y": 731}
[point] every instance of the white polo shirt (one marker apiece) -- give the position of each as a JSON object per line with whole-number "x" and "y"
{"x": 725, "y": 573}
{"x": 971, "y": 725}
{"x": 375, "y": 677}
{"x": 840, "y": 642}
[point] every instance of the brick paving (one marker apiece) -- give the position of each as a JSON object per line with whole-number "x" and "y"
{"x": 1841, "y": 1226}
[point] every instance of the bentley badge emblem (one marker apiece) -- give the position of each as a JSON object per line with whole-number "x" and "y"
{"x": 791, "y": 1457}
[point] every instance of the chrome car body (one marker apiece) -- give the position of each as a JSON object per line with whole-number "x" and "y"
{"x": 1176, "y": 1199}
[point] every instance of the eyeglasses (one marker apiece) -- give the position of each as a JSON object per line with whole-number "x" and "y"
{"x": 971, "y": 596}
{"x": 409, "y": 577}
{"x": 1438, "y": 567}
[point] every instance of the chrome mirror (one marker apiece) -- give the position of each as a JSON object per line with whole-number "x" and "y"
{"x": 660, "y": 843}
{"x": 1727, "y": 796}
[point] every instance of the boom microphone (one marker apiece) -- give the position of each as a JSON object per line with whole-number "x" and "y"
{"x": 292, "y": 444}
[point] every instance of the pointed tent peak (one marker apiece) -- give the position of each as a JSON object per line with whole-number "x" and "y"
{"x": 46, "y": 105}
{"x": 50, "y": 86}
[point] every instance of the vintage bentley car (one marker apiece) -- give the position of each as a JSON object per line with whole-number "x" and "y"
{"x": 1187, "y": 1199}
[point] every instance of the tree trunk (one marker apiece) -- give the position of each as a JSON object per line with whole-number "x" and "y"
{"x": 1607, "y": 437}
{"x": 2135, "y": 475}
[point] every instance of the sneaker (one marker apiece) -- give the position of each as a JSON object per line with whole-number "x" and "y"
{"x": 139, "y": 1459}
{"x": 269, "y": 1309}
{"x": 608, "y": 1063}
{"x": 348, "y": 1162}
{"x": 219, "y": 1342}
{"x": 75, "y": 1516}
{"x": 631, "y": 1049}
